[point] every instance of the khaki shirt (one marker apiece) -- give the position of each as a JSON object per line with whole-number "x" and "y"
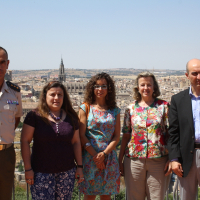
{"x": 9, "y": 109}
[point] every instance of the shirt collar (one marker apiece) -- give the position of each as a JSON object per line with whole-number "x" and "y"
{"x": 191, "y": 94}
{"x": 5, "y": 87}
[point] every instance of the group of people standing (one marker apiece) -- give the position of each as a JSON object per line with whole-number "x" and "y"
{"x": 157, "y": 138}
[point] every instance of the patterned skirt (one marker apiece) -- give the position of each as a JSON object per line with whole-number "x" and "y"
{"x": 53, "y": 186}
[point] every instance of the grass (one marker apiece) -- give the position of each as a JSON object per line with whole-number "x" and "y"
{"x": 20, "y": 193}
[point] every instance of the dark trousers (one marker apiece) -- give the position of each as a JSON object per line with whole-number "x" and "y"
{"x": 7, "y": 167}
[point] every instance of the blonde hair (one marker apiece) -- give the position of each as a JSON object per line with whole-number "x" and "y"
{"x": 136, "y": 94}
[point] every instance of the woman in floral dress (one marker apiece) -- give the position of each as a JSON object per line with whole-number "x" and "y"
{"x": 144, "y": 142}
{"x": 100, "y": 133}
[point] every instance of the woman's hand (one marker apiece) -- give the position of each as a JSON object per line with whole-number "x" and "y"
{"x": 99, "y": 160}
{"x": 168, "y": 168}
{"x": 29, "y": 176}
{"x": 121, "y": 169}
{"x": 99, "y": 157}
{"x": 79, "y": 175}
{"x": 101, "y": 166}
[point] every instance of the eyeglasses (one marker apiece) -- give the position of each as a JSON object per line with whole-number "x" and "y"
{"x": 103, "y": 87}
{"x": 195, "y": 73}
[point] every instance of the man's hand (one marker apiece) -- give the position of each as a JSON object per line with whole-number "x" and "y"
{"x": 177, "y": 168}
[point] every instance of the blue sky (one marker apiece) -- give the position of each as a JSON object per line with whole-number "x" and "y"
{"x": 146, "y": 34}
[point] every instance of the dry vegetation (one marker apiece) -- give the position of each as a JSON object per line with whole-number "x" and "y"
{"x": 17, "y": 146}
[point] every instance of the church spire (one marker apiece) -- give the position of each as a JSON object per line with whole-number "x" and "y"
{"x": 61, "y": 76}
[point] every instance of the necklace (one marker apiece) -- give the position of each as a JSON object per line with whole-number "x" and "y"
{"x": 56, "y": 119}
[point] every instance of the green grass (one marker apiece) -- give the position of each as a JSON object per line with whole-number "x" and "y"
{"x": 20, "y": 193}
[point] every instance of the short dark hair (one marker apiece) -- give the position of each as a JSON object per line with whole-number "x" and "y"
{"x": 43, "y": 109}
{"x": 187, "y": 70}
{"x": 89, "y": 93}
{"x": 1, "y": 48}
{"x": 137, "y": 95}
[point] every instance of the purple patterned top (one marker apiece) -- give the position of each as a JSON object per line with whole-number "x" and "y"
{"x": 51, "y": 152}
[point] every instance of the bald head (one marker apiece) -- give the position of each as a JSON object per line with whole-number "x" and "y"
{"x": 194, "y": 62}
{"x": 6, "y": 53}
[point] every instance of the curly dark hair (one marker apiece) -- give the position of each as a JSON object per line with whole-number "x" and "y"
{"x": 43, "y": 109}
{"x": 137, "y": 95}
{"x": 110, "y": 98}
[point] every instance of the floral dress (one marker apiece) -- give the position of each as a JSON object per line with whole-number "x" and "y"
{"x": 99, "y": 131}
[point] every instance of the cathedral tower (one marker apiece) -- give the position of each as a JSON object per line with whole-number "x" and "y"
{"x": 61, "y": 76}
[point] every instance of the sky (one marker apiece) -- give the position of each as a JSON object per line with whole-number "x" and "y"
{"x": 100, "y": 34}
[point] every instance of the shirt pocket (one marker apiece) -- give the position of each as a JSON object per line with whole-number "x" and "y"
{"x": 10, "y": 111}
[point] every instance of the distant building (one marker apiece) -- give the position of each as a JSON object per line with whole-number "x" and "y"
{"x": 61, "y": 76}
{"x": 27, "y": 107}
{"x": 8, "y": 75}
{"x": 76, "y": 87}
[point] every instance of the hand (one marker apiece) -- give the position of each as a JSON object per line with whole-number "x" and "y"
{"x": 177, "y": 168}
{"x": 99, "y": 157}
{"x": 79, "y": 175}
{"x": 121, "y": 168}
{"x": 99, "y": 160}
{"x": 29, "y": 176}
{"x": 101, "y": 166}
{"x": 168, "y": 168}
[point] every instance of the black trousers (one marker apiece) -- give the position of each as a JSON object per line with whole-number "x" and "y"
{"x": 7, "y": 167}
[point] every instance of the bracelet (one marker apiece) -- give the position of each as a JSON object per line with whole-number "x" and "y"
{"x": 28, "y": 170}
{"x": 105, "y": 154}
{"x": 79, "y": 166}
{"x": 87, "y": 145}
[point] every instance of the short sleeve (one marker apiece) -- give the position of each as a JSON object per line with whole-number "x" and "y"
{"x": 19, "y": 112}
{"x": 30, "y": 119}
{"x": 83, "y": 107}
{"x": 127, "y": 122}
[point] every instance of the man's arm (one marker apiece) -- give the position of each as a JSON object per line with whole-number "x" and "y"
{"x": 174, "y": 135}
{"x": 174, "y": 139}
{"x": 19, "y": 112}
{"x": 17, "y": 120}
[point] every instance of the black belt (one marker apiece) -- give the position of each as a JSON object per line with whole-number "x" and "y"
{"x": 5, "y": 146}
{"x": 197, "y": 145}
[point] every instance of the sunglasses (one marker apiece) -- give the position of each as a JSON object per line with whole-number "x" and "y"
{"x": 103, "y": 87}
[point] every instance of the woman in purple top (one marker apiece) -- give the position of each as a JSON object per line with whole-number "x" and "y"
{"x": 53, "y": 126}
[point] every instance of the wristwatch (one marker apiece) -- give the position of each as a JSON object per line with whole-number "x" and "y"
{"x": 105, "y": 155}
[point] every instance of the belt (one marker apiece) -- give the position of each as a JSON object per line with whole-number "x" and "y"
{"x": 5, "y": 146}
{"x": 197, "y": 145}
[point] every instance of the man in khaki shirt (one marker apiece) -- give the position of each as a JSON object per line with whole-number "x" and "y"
{"x": 10, "y": 113}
